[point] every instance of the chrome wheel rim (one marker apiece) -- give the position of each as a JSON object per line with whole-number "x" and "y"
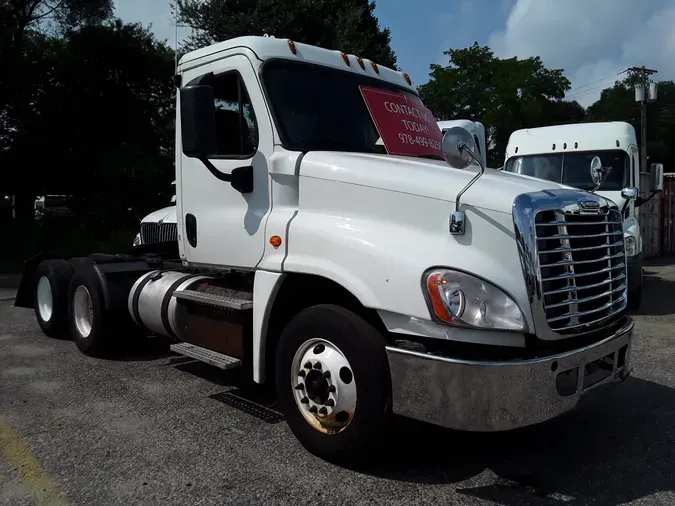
{"x": 323, "y": 386}
{"x": 83, "y": 311}
{"x": 45, "y": 302}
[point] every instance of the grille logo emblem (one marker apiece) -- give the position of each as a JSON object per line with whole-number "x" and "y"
{"x": 590, "y": 205}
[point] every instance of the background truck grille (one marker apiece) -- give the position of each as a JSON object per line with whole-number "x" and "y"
{"x": 581, "y": 267}
{"x": 158, "y": 232}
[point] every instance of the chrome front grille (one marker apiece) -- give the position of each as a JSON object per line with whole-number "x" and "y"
{"x": 574, "y": 261}
{"x": 158, "y": 232}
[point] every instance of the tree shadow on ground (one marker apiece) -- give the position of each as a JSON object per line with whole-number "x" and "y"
{"x": 617, "y": 449}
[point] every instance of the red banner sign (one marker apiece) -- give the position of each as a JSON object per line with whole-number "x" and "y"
{"x": 405, "y": 125}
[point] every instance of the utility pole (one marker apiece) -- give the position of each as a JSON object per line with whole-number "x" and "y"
{"x": 643, "y": 74}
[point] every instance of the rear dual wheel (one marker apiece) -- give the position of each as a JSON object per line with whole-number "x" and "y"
{"x": 333, "y": 383}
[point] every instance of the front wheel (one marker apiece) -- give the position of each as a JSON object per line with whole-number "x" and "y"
{"x": 333, "y": 383}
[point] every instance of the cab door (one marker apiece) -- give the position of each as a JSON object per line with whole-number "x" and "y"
{"x": 221, "y": 225}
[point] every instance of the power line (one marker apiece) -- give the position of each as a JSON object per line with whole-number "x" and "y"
{"x": 613, "y": 76}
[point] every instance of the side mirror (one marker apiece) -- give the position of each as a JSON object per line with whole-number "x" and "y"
{"x": 656, "y": 177}
{"x": 629, "y": 193}
{"x": 198, "y": 121}
{"x": 459, "y": 148}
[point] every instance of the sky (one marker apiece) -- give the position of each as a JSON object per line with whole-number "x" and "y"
{"x": 592, "y": 40}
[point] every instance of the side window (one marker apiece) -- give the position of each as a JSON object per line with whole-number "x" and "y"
{"x": 236, "y": 126}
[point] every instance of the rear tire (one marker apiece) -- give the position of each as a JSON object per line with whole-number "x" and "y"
{"x": 92, "y": 329}
{"x": 355, "y": 395}
{"x": 50, "y": 297}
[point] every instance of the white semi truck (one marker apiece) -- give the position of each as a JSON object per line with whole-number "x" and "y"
{"x": 360, "y": 278}
{"x": 159, "y": 226}
{"x": 563, "y": 153}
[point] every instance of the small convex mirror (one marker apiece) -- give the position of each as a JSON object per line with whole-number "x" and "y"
{"x": 656, "y": 177}
{"x": 457, "y": 142}
{"x": 629, "y": 193}
{"x": 597, "y": 171}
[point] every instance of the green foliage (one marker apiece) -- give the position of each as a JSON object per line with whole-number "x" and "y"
{"x": 505, "y": 94}
{"x": 618, "y": 104}
{"x": 347, "y": 25}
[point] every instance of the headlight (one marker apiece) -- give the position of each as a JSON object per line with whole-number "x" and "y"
{"x": 630, "y": 244}
{"x": 461, "y": 299}
{"x": 137, "y": 240}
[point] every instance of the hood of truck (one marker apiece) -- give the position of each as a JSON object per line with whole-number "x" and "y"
{"x": 494, "y": 191}
{"x": 165, "y": 215}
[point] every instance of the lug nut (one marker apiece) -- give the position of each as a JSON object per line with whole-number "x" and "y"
{"x": 302, "y": 373}
{"x": 317, "y": 366}
{"x": 323, "y": 411}
{"x": 326, "y": 374}
{"x": 300, "y": 387}
{"x": 312, "y": 409}
{"x": 304, "y": 400}
{"x": 331, "y": 389}
{"x": 330, "y": 403}
{"x": 308, "y": 365}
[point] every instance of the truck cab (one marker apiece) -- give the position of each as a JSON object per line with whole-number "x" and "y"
{"x": 336, "y": 245}
{"x": 563, "y": 153}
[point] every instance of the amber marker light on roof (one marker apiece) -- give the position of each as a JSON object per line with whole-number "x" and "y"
{"x": 407, "y": 79}
{"x": 291, "y": 45}
{"x": 346, "y": 58}
{"x": 375, "y": 67}
{"x": 361, "y": 64}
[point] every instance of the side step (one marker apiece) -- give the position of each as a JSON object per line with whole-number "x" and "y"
{"x": 204, "y": 355}
{"x": 234, "y": 300}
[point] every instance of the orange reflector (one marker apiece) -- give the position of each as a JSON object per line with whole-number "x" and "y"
{"x": 291, "y": 45}
{"x": 361, "y": 64}
{"x": 346, "y": 58}
{"x": 434, "y": 284}
{"x": 375, "y": 67}
{"x": 407, "y": 79}
{"x": 275, "y": 241}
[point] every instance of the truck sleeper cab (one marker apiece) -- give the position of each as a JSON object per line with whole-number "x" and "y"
{"x": 360, "y": 278}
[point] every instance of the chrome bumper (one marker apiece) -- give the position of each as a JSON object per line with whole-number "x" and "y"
{"x": 496, "y": 396}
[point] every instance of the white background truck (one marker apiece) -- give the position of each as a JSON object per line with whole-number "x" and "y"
{"x": 360, "y": 279}
{"x": 159, "y": 226}
{"x": 563, "y": 153}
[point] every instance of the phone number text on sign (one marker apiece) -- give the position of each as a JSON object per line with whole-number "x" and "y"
{"x": 419, "y": 140}
{"x": 406, "y": 126}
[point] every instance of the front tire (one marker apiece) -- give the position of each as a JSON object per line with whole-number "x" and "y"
{"x": 50, "y": 297}
{"x": 333, "y": 383}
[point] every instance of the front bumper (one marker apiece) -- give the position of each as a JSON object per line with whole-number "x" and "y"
{"x": 497, "y": 396}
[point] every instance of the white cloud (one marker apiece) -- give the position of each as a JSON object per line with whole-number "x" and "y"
{"x": 592, "y": 40}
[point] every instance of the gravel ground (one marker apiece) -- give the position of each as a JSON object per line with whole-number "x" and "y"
{"x": 151, "y": 429}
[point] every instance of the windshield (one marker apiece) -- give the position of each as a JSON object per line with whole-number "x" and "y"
{"x": 573, "y": 169}
{"x": 319, "y": 108}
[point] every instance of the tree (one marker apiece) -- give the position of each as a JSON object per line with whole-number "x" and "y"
{"x": 25, "y": 51}
{"x": 505, "y": 94}
{"x": 100, "y": 122}
{"x": 348, "y": 25}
